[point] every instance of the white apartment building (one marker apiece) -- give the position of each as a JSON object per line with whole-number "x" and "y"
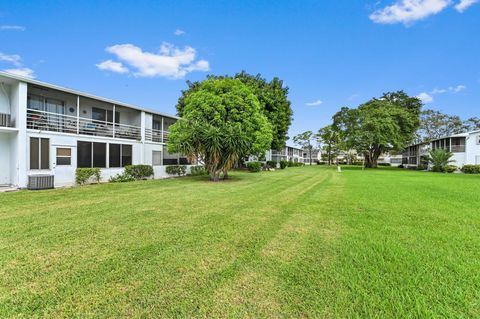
{"x": 47, "y": 131}
{"x": 465, "y": 148}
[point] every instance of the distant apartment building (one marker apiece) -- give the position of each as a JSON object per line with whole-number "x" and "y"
{"x": 465, "y": 148}
{"x": 47, "y": 131}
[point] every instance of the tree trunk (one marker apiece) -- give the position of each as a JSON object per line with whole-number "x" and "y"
{"x": 225, "y": 174}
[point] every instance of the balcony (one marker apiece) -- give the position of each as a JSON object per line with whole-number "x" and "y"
{"x": 156, "y": 136}
{"x": 56, "y": 122}
{"x": 5, "y": 120}
{"x": 458, "y": 148}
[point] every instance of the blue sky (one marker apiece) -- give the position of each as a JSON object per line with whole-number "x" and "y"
{"x": 330, "y": 53}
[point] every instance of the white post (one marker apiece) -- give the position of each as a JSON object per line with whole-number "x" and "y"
{"x": 78, "y": 114}
{"x": 113, "y": 116}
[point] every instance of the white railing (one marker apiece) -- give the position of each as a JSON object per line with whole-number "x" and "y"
{"x": 55, "y": 122}
{"x": 5, "y": 120}
{"x": 157, "y": 136}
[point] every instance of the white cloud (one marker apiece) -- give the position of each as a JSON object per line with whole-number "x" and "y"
{"x": 315, "y": 103}
{"x": 425, "y": 97}
{"x": 179, "y": 32}
{"x": 170, "y": 61}
{"x": 11, "y": 58}
{"x": 408, "y": 11}
{"x": 12, "y": 28}
{"x": 25, "y": 72}
{"x": 113, "y": 66}
{"x": 457, "y": 88}
{"x": 464, "y": 4}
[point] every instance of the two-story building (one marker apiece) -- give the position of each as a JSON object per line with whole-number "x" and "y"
{"x": 47, "y": 131}
{"x": 465, "y": 148}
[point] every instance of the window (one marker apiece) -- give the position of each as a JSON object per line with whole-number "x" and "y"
{"x": 39, "y": 153}
{"x": 91, "y": 154}
{"x": 99, "y": 155}
{"x": 120, "y": 155}
{"x": 114, "y": 154}
{"x": 64, "y": 156}
{"x": 104, "y": 115}
{"x": 156, "y": 158}
{"x": 126, "y": 155}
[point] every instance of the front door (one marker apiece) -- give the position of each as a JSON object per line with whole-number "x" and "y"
{"x": 63, "y": 167}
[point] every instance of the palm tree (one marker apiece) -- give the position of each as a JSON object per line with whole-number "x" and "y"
{"x": 439, "y": 158}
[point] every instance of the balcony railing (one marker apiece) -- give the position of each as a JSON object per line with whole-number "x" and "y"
{"x": 156, "y": 136}
{"x": 5, "y": 120}
{"x": 458, "y": 148}
{"x": 55, "y": 122}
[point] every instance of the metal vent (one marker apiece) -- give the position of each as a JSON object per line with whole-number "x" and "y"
{"x": 4, "y": 120}
{"x": 40, "y": 182}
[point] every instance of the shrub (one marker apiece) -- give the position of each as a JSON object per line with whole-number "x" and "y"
{"x": 139, "y": 171}
{"x": 254, "y": 167}
{"x": 82, "y": 175}
{"x": 384, "y": 164}
{"x": 290, "y": 164}
{"x": 471, "y": 169}
{"x": 122, "y": 178}
{"x": 272, "y": 164}
{"x": 439, "y": 158}
{"x": 198, "y": 171}
{"x": 283, "y": 164}
{"x": 450, "y": 168}
{"x": 401, "y": 166}
{"x": 179, "y": 170}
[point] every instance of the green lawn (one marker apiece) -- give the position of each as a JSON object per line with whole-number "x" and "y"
{"x": 302, "y": 242}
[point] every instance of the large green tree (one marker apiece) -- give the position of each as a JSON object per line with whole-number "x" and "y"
{"x": 272, "y": 97}
{"x": 329, "y": 138}
{"x": 380, "y": 125}
{"x": 435, "y": 124}
{"x": 221, "y": 122}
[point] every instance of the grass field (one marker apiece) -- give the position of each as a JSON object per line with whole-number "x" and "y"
{"x": 302, "y": 242}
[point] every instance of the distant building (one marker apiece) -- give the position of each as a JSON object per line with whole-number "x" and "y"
{"x": 465, "y": 148}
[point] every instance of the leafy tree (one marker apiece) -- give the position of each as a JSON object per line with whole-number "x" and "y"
{"x": 472, "y": 124}
{"x": 305, "y": 140}
{"x": 330, "y": 140}
{"x": 221, "y": 122}
{"x": 435, "y": 124}
{"x": 380, "y": 125}
{"x": 272, "y": 97}
{"x": 439, "y": 158}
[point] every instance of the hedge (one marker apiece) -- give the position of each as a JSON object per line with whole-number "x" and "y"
{"x": 179, "y": 170}
{"x": 82, "y": 175}
{"x": 471, "y": 169}
{"x": 139, "y": 171}
{"x": 198, "y": 171}
{"x": 254, "y": 167}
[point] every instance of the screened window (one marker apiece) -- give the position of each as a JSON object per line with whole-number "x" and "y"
{"x": 39, "y": 153}
{"x": 156, "y": 158}
{"x": 126, "y": 155}
{"x": 104, "y": 115}
{"x": 114, "y": 154}
{"x": 99, "y": 155}
{"x": 64, "y": 156}
{"x": 91, "y": 154}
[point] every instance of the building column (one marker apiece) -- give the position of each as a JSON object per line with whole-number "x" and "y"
{"x": 142, "y": 133}
{"x": 22, "y": 144}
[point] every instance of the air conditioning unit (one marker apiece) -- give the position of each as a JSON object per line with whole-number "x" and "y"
{"x": 36, "y": 182}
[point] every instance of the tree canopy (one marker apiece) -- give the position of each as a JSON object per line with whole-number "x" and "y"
{"x": 222, "y": 121}
{"x": 380, "y": 125}
{"x": 435, "y": 124}
{"x": 272, "y": 97}
{"x": 329, "y": 138}
{"x": 305, "y": 140}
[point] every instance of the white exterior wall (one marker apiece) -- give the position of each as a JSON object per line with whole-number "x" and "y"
{"x": 5, "y": 171}
{"x": 473, "y": 148}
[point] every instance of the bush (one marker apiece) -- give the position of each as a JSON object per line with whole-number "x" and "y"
{"x": 198, "y": 171}
{"x": 471, "y": 169}
{"x": 384, "y": 164}
{"x": 254, "y": 167}
{"x": 139, "y": 171}
{"x": 401, "y": 166}
{"x": 272, "y": 164}
{"x": 283, "y": 164}
{"x": 82, "y": 175}
{"x": 122, "y": 178}
{"x": 179, "y": 170}
{"x": 450, "y": 168}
